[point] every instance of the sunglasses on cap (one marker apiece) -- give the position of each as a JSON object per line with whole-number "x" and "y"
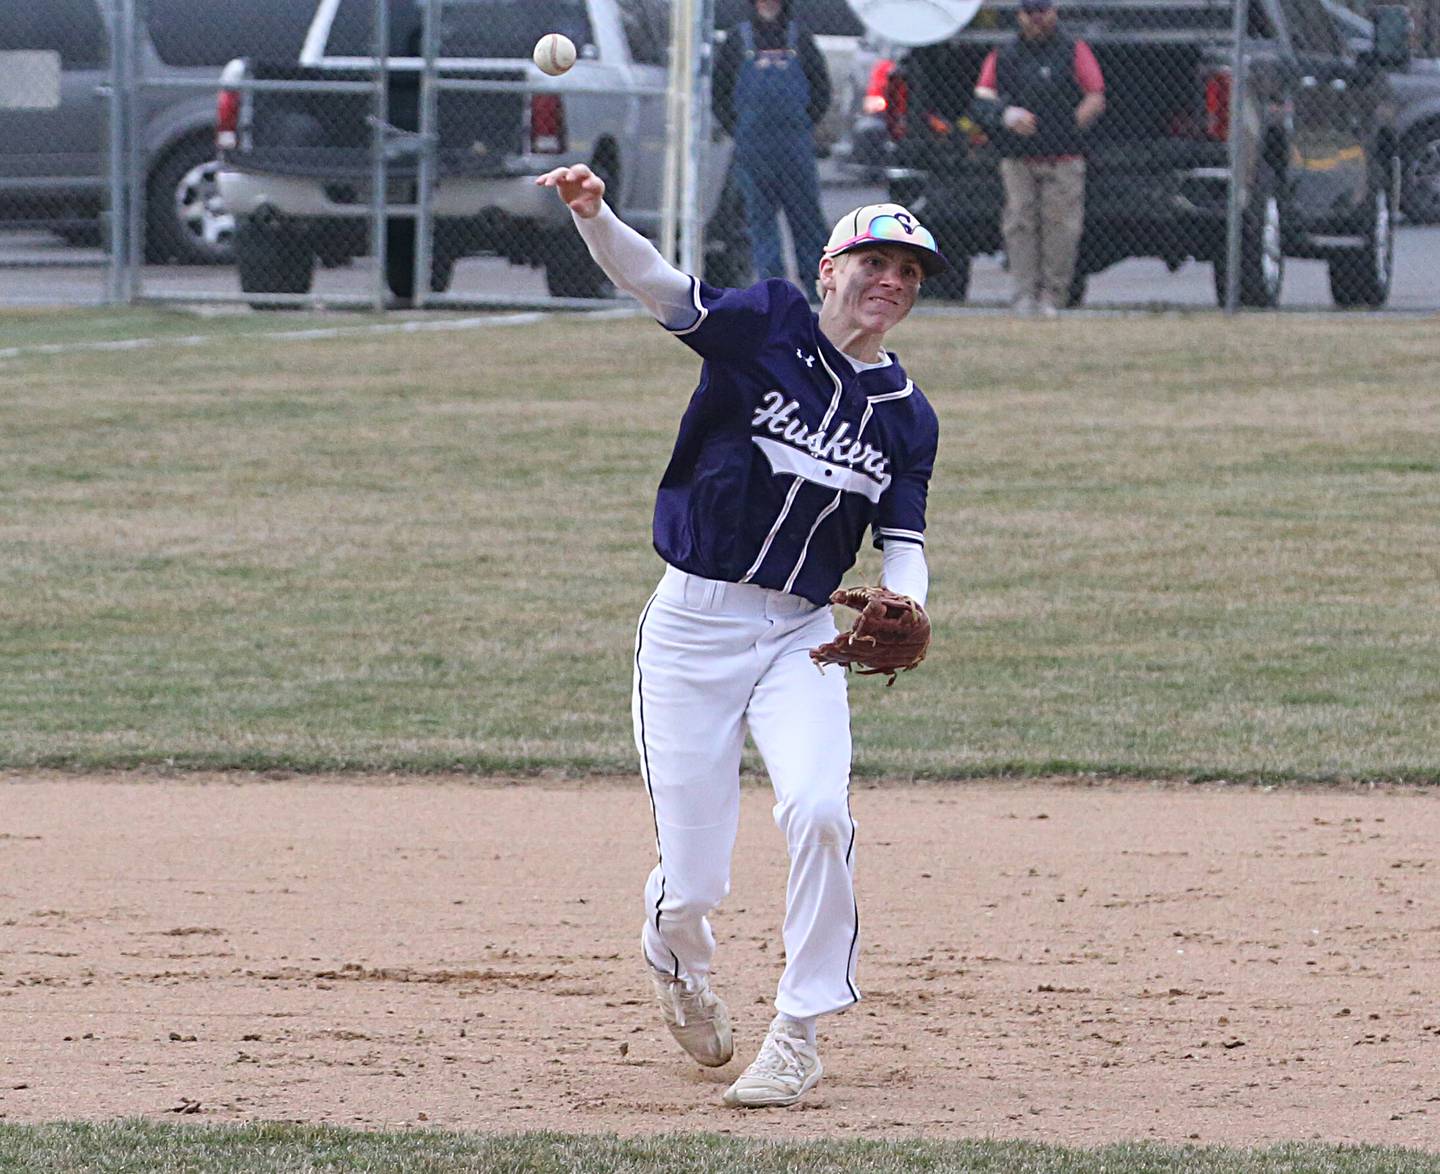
{"x": 890, "y": 229}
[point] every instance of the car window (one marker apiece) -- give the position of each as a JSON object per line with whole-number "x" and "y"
{"x": 1259, "y": 22}
{"x": 647, "y": 30}
{"x": 468, "y": 28}
{"x": 1311, "y": 29}
{"x": 212, "y": 32}
{"x": 1348, "y": 23}
{"x": 73, "y": 27}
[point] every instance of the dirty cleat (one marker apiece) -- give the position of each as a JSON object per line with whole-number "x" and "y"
{"x": 786, "y": 1068}
{"x": 696, "y": 1017}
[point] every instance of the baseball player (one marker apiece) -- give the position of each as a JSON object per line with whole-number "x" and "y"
{"x": 802, "y": 433}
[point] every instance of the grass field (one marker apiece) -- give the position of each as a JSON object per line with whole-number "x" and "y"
{"x": 156, "y": 1149}
{"x": 1173, "y": 546}
{"x": 1178, "y": 547}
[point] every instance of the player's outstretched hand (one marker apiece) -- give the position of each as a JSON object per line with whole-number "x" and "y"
{"x": 580, "y": 188}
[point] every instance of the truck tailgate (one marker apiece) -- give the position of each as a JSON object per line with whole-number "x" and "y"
{"x": 324, "y": 133}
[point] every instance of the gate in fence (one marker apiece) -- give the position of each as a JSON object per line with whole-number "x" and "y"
{"x": 376, "y": 154}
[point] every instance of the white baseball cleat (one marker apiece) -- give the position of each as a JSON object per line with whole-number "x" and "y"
{"x": 786, "y": 1068}
{"x": 697, "y": 1018}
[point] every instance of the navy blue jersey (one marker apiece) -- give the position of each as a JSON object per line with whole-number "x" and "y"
{"x": 786, "y": 453}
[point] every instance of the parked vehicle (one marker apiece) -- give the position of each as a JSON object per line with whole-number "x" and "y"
{"x": 296, "y": 165}
{"x": 1417, "y": 92}
{"x": 1320, "y": 149}
{"x": 53, "y": 155}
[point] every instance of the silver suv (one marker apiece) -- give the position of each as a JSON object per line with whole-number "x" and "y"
{"x": 53, "y": 116}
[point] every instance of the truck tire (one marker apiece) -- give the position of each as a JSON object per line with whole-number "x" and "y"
{"x": 570, "y": 271}
{"x": 954, "y": 284}
{"x": 185, "y": 223}
{"x": 400, "y": 262}
{"x": 1362, "y": 276}
{"x": 1262, "y": 249}
{"x": 1420, "y": 187}
{"x": 400, "y": 258}
{"x": 271, "y": 261}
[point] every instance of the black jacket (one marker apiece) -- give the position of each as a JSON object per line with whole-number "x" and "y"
{"x": 1038, "y": 76}
{"x": 768, "y": 35}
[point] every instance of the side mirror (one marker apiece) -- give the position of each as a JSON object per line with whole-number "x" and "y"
{"x": 1392, "y": 35}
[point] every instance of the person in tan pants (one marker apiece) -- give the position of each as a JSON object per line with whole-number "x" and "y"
{"x": 1038, "y": 96}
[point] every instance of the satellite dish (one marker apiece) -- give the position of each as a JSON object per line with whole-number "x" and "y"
{"x": 915, "y": 22}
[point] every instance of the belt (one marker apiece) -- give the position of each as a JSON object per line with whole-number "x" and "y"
{"x": 737, "y": 599}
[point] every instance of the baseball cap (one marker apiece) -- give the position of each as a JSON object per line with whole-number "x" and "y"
{"x": 886, "y": 224}
{"x": 1036, "y": 5}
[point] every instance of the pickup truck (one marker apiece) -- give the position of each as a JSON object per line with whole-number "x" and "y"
{"x": 1319, "y": 155}
{"x": 295, "y": 165}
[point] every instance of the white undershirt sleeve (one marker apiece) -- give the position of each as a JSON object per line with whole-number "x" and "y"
{"x": 636, "y": 266}
{"x": 905, "y": 570}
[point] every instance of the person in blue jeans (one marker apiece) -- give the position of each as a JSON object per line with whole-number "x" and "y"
{"x": 771, "y": 89}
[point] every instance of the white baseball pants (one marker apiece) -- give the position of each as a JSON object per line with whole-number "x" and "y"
{"x": 712, "y": 660}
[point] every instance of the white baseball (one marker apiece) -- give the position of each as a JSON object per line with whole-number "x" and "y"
{"x": 554, "y": 53}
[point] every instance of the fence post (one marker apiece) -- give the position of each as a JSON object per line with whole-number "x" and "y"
{"x": 425, "y": 169}
{"x": 697, "y": 135}
{"x": 1233, "y": 134}
{"x": 134, "y": 154}
{"x": 380, "y": 47}
{"x": 676, "y": 119}
{"x": 120, "y": 270}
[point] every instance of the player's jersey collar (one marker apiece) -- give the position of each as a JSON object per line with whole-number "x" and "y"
{"x": 872, "y": 382}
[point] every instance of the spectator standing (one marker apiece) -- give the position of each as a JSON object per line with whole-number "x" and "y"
{"x": 1037, "y": 97}
{"x": 771, "y": 90}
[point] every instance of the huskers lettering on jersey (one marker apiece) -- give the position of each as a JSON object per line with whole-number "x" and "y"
{"x": 786, "y": 454}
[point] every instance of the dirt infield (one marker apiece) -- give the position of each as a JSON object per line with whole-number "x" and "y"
{"x": 1063, "y": 963}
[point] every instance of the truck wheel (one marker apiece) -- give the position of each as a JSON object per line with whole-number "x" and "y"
{"x": 570, "y": 271}
{"x": 185, "y": 223}
{"x": 1420, "y": 186}
{"x": 400, "y": 258}
{"x": 442, "y": 271}
{"x": 954, "y": 284}
{"x": 1361, "y": 276}
{"x": 271, "y": 262}
{"x": 400, "y": 262}
{"x": 1262, "y": 251}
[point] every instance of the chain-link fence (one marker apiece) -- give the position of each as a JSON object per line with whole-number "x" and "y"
{"x": 381, "y": 153}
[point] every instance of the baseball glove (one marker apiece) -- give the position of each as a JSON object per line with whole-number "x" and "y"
{"x": 890, "y": 635}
